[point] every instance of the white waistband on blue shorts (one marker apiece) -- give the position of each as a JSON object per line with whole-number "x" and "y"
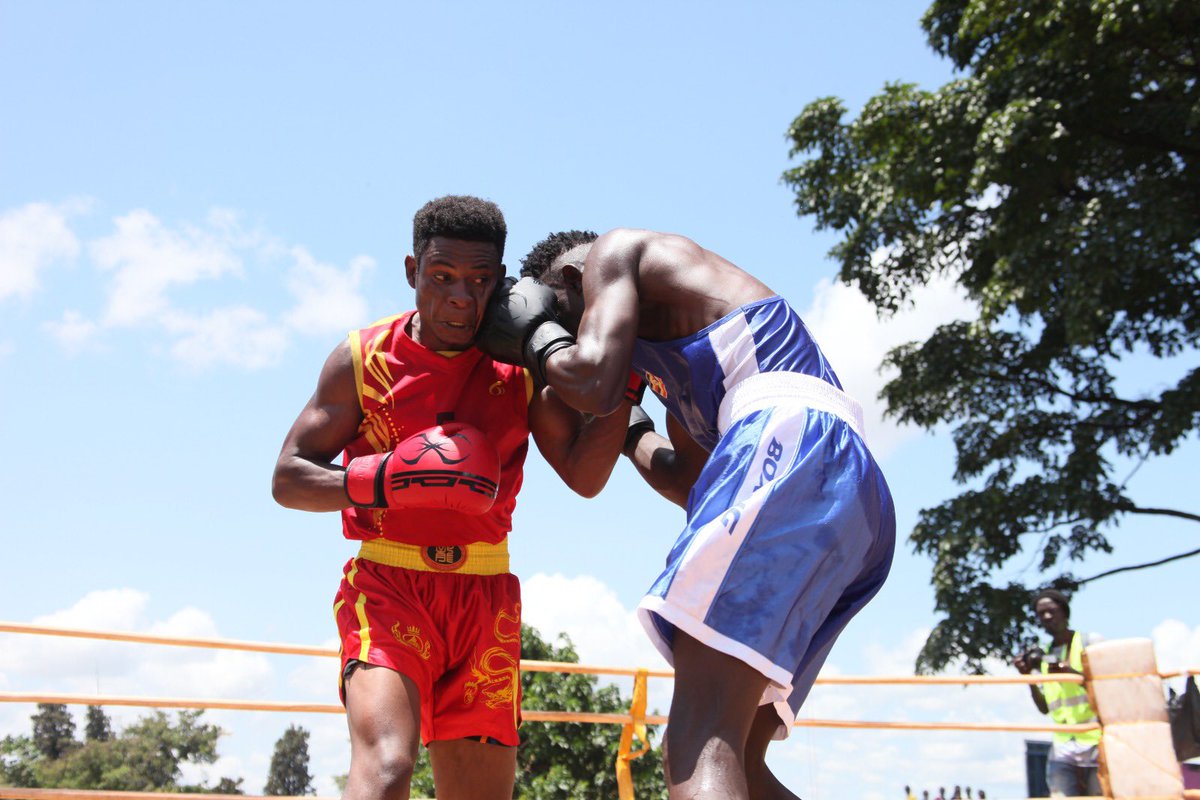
{"x": 788, "y": 390}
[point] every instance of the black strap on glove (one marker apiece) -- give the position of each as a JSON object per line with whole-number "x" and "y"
{"x": 639, "y": 423}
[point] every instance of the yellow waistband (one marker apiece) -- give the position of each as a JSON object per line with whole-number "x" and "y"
{"x": 479, "y": 558}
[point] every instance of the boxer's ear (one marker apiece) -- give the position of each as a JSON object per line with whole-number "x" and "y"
{"x": 572, "y": 275}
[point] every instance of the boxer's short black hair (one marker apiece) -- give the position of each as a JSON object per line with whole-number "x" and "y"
{"x": 459, "y": 216}
{"x": 544, "y": 252}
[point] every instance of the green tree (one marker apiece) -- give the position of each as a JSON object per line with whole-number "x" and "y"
{"x": 1057, "y": 180}
{"x": 53, "y": 730}
{"x": 144, "y": 757}
{"x": 565, "y": 761}
{"x": 289, "y": 765}
{"x": 98, "y": 727}
{"x": 228, "y": 786}
{"x": 18, "y": 755}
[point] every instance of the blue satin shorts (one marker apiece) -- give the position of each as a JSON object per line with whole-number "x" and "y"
{"x": 790, "y": 532}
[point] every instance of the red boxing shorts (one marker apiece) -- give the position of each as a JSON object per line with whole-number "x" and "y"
{"x": 449, "y": 618}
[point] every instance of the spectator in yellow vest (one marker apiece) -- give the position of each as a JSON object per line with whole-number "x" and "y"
{"x": 1073, "y": 767}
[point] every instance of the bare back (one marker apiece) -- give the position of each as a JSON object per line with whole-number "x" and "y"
{"x": 683, "y": 288}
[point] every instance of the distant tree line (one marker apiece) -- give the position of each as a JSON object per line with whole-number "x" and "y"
{"x": 144, "y": 757}
{"x": 561, "y": 760}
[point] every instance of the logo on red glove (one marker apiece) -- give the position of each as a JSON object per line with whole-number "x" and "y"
{"x": 456, "y": 458}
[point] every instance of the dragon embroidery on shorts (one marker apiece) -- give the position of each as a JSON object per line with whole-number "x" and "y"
{"x": 413, "y": 639}
{"x": 495, "y": 672}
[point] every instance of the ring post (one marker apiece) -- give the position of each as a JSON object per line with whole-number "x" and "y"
{"x": 635, "y": 727}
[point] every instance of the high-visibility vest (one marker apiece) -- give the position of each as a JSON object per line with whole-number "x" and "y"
{"x": 1067, "y": 703}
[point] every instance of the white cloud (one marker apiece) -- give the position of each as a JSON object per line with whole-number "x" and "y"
{"x": 156, "y": 277}
{"x": 1176, "y": 647}
{"x": 856, "y": 340}
{"x": 147, "y": 259}
{"x": 240, "y": 336}
{"x": 328, "y": 299}
{"x": 316, "y": 677}
{"x": 32, "y": 238}
{"x": 113, "y": 609}
{"x": 603, "y": 631}
{"x": 73, "y": 332}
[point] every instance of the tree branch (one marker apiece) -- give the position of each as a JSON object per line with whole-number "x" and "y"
{"x": 1165, "y": 512}
{"x": 1146, "y": 405}
{"x": 1160, "y": 562}
{"x": 1052, "y": 526}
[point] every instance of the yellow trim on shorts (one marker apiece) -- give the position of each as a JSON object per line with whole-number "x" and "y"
{"x": 479, "y": 558}
{"x": 360, "y": 610}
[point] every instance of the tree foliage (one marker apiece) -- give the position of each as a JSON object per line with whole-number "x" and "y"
{"x": 564, "y": 761}
{"x": 145, "y": 757}
{"x": 53, "y": 730}
{"x": 1057, "y": 180}
{"x": 289, "y": 775}
{"x": 98, "y": 727}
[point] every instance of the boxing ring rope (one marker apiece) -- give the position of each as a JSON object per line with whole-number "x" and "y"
{"x": 633, "y": 723}
{"x": 526, "y": 664}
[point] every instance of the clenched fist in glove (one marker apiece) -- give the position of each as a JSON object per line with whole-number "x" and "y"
{"x": 520, "y": 326}
{"x": 451, "y": 466}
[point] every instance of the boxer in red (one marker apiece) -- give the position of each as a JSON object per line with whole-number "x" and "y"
{"x": 433, "y": 435}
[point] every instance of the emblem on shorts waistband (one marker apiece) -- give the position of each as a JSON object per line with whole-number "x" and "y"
{"x": 656, "y": 385}
{"x": 445, "y": 558}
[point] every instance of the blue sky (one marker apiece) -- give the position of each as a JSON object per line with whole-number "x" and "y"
{"x": 198, "y": 200}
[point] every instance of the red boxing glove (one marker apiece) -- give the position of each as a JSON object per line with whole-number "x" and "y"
{"x": 452, "y": 467}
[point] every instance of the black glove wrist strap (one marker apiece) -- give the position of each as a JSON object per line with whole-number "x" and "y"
{"x": 639, "y": 423}
{"x": 546, "y": 339}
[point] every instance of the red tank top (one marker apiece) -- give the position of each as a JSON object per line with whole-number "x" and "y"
{"x": 403, "y": 388}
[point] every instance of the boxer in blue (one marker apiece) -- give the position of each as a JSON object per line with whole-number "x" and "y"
{"x": 790, "y": 525}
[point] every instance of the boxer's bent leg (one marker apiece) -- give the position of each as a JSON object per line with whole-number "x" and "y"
{"x": 383, "y": 710}
{"x": 715, "y": 702}
{"x": 762, "y": 782}
{"x": 466, "y": 769}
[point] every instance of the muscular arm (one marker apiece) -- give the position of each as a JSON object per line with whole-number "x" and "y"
{"x": 305, "y": 476}
{"x": 591, "y": 374}
{"x": 672, "y": 466}
{"x": 582, "y": 449}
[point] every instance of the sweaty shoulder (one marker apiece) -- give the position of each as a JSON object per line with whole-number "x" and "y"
{"x": 644, "y": 245}
{"x": 684, "y": 287}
